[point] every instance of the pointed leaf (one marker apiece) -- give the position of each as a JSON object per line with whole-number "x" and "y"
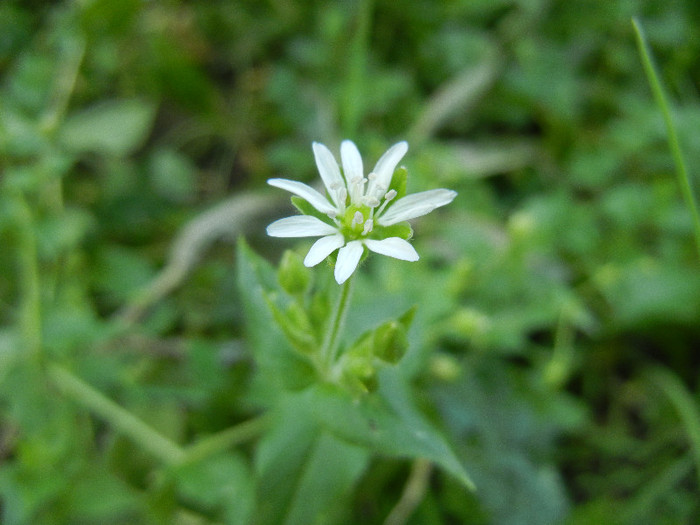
{"x": 303, "y": 472}
{"x": 279, "y": 366}
{"x": 387, "y": 423}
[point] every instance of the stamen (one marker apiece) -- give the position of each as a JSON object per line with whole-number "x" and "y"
{"x": 369, "y": 224}
{"x": 388, "y": 197}
{"x": 372, "y": 202}
{"x": 379, "y": 192}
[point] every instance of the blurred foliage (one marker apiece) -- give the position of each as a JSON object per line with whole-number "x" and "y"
{"x": 554, "y": 344}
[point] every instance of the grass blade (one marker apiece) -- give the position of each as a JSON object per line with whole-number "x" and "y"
{"x": 661, "y": 101}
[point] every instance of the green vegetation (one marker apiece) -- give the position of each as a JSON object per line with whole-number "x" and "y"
{"x": 153, "y": 337}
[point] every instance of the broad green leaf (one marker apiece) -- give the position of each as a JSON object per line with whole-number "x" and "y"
{"x": 304, "y": 473}
{"x": 278, "y": 364}
{"x": 99, "y": 496}
{"x": 295, "y": 325}
{"x": 387, "y": 423}
{"x": 115, "y": 127}
{"x": 219, "y": 484}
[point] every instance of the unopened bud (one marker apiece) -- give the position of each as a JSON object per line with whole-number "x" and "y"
{"x": 293, "y": 276}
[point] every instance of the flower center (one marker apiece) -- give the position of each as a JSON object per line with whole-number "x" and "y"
{"x": 357, "y": 222}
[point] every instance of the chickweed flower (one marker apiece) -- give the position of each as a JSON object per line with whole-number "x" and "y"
{"x": 357, "y": 211}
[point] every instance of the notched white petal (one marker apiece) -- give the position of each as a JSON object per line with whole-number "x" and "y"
{"x": 306, "y": 192}
{"x": 352, "y": 160}
{"x": 416, "y": 205}
{"x": 393, "y": 247}
{"x": 322, "y": 248}
{"x": 328, "y": 169}
{"x": 387, "y": 163}
{"x": 300, "y": 226}
{"x": 348, "y": 258}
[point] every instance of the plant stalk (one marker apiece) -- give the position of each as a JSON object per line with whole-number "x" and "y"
{"x": 120, "y": 419}
{"x": 336, "y": 325}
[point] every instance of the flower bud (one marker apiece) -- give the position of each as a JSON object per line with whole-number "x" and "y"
{"x": 293, "y": 276}
{"x": 390, "y": 342}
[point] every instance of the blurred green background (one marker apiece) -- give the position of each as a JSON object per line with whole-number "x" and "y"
{"x": 557, "y": 336}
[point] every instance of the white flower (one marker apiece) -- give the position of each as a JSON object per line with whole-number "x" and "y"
{"x": 358, "y": 212}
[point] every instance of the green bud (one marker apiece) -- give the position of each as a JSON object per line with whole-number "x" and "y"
{"x": 471, "y": 324}
{"x": 293, "y": 276}
{"x": 390, "y": 342}
{"x": 445, "y": 367}
{"x": 359, "y": 374}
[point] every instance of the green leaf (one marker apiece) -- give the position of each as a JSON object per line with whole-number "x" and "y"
{"x": 387, "y": 423}
{"x": 115, "y": 127}
{"x": 97, "y": 496}
{"x": 172, "y": 175}
{"x": 295, "y": 324}
{"x": 279, "y": 366}
{"x": 219, "y": 484}
{"x": 304, "y": 474}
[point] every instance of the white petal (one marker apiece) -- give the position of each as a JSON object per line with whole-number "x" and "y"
{"x": 384, "y": 169}
{"x": 416, "y": 205}
{"x": 393, "y": 247}
{"x": 328, "y": 169}
{"x": 307, "y": 193}
{"x": 322, "y": 248}
{"x": 300, "y": 226}
{"x": 348, "y": 257}
{"x": 352, "y": 160}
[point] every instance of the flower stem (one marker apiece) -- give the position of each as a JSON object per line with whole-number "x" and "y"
{"x": 122, "y": 420}
{"x": 336, "y": 325}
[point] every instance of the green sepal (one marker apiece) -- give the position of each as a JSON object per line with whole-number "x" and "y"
{"x": 385, "y": 344}
{"x": 359, "y": 374}
{"x": 402, "y": 230}
{"x": 306, "y": 209}
{"x": 398, "y": 182}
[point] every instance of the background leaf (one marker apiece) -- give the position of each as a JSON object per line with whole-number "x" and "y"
{"x": 114, "y": 127}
